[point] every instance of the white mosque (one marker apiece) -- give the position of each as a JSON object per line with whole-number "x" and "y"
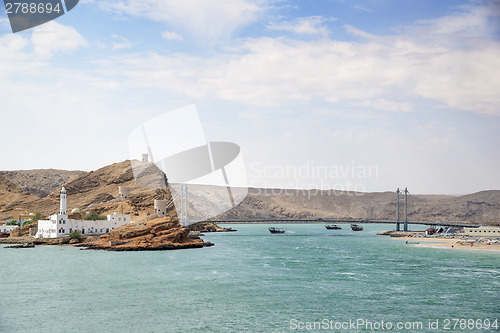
{"x": 60, "y": 225}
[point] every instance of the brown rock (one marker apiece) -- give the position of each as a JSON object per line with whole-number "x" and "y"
{"x": 158, "y": 234}
{"x": 206, "y": 227}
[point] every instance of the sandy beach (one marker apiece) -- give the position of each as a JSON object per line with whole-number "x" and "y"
{"x": 452, "y": 243}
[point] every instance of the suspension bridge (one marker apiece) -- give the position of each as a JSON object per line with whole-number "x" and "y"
{"x": 184, "y": 216}
{"x": 331, "y": 220}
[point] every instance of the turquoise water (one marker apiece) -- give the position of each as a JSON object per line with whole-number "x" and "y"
{"x": 250, "y": 281}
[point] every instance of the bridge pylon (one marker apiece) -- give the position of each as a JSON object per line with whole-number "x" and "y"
{"x": 397, "y": 209}
{"x": 406, "y": 209}
{"x": 405, "y": 228}
{"x": 184, "y": 218}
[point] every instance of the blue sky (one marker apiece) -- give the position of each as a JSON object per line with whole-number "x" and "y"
{"x": 407, "y": 88}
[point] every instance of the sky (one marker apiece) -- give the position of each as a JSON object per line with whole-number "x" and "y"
{"x": 366, "y": 95}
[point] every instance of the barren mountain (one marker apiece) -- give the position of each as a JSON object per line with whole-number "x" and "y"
{"x": 477, "y": 207}
{"x": 98, "y": 191}
{"x": 95, "y": 191}
{"x": 11, "y": 196}
{"x": 39, "y": 182}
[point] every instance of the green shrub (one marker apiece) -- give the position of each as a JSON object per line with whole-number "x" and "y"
{"x": 75, "y": 234}
{"x": 38, "y": 216}
{"x": 13, "y": 222}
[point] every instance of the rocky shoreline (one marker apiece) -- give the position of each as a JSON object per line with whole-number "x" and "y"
{"x": 155, "y": 235}
{"x": 419, "y": 238}
{"x": 162, "y": 247}
{"x": 208, "y": 227}
{"x": 394, "y": 233}
{"x": 47, "y": 241}
{"x": 26, "y": 245}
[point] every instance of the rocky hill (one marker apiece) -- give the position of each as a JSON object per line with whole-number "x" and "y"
{"x": 12, "y": 196}
{"x": 39, "y": 182}
{"x": 95, "y": 191}
{"x": 98, "y": 191}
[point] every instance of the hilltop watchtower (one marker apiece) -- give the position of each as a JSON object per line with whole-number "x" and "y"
{"x": 124, "y": 192}
{"x": 160, "y": 208}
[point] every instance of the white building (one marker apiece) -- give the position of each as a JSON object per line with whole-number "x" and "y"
{"x": 7, "y": 228}
{"x": 60, "y": 225}
{"x": 483, "y": 231}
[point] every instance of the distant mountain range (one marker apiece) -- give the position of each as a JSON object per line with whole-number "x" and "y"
{"x": 38, "y": 190}
{"x": 478, "y": 207}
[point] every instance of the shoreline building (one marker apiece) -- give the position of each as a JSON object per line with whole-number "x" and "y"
{"x": 60, "y": 225}
{"x": 483, "y": 231}
{"x": 6, "y": 229}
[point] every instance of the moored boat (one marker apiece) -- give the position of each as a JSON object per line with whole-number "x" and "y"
{"x": 356, "y": 227}
{"x": 274, "y": 230}
{"x": 333, "y": 227}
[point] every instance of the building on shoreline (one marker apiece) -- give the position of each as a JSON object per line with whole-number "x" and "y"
{"x": 60, "y": 225}
{"x": 483, "y": 231}
{"x": 4, "y": 228}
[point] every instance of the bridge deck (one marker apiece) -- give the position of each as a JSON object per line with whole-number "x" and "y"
{"x": 276, "y": 220}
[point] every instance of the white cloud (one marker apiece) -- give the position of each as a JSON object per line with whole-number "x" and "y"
{"x": 13, "y": 55}
{"x": 121, "y": 43}
{"x": 314, "y": 86}
{"x": 205, "y": 20}
{"x": 311, "y": 25}
{"x": 11, "y": 44}
{"x": 384, "y": 104}
{"x": 358, "y": 32}
{"x": 172, "y": 35}
{"x": 362, "y": 8}
{"x": 275, "y": 71}
{"x": 470, "y": 21}
{"x": 53, "y": 37}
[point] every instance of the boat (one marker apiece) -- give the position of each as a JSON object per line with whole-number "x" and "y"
{"x": 356, "y": 227}
{"x": 333, "y": 227}
{"x": 274, "y": 230}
